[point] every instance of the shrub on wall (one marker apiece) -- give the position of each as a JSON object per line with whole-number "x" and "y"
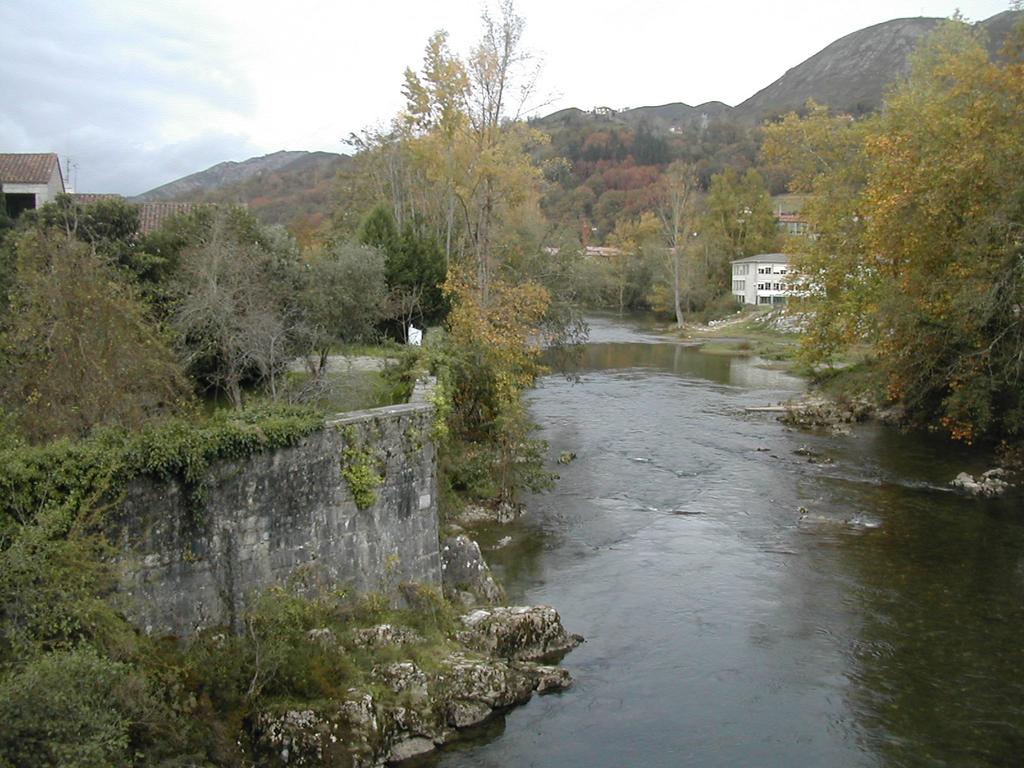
{"x": 359, "y": 468}
{"x": 76, "y": 478}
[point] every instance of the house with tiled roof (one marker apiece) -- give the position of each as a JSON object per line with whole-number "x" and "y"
{"x": 88, "y": 198}
{"x": 152, "y": 215}
{"x": 28, "y": 181}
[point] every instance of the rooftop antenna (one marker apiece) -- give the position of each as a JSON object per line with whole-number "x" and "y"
{"x": 71, "y": 166}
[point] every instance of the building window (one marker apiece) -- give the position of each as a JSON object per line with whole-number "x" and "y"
{"x": 764, "y": 299}
{"x": 739, "y": 285}
{"x": 19, "y": 202}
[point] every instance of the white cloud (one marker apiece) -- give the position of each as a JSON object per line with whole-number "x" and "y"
{"x": 140, "y": 93}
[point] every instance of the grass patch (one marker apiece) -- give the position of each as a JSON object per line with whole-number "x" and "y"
{"x": 853, "y": 379}
{"x": 728, "y": 348}
{"x": 385, "y": 350}
{"x": 345, "y": 391}
{"x": 779, "y": 349}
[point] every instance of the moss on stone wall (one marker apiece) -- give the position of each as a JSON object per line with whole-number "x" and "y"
{"x": 73, "y": 478}
{"x": 359, "y": 468}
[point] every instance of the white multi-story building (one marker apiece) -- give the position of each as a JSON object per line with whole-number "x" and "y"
{"x": 761, "y": 279}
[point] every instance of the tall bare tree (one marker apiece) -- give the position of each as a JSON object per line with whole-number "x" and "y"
{"x": 676, "y": 210}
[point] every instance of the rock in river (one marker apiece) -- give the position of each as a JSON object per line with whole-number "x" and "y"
{"x": 520, "y": 632}
{"x": 990, "y": 483}
{"x": 465, "y": 574}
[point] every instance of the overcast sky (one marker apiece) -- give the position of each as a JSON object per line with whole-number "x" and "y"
{"x": 143, "y": 92}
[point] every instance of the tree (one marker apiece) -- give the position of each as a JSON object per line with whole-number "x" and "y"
{"x": 636, "y": 243}
{"x": 414, "y": 267}
{"x": 944, "y": 209}
{"x": 344, "y": 296}
{"x": 378, "y": 231}
{"x": 437, "y": 109}
{"x": 678, "y": 190}
{"x": 492, "y": 355}
{"x": 825, "y": 155}
{"x": 79, "y": 350}
{"x": 419, "y": 269}
{"x": 739, "y": 214}
{"x": 236, "y": 313}
{"x": 918, "y": 216}
{"x": 467, "y": 138}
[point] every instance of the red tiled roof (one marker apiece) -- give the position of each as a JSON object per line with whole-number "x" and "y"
{"x": 29, "y": 169}
{"x": 88, "y": 198}
{"x": 153, "y": 215}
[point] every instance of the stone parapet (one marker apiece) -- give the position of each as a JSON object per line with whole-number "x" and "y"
{"x": 262, "y": 519}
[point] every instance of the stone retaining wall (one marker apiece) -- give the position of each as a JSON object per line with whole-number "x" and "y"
{"x": 263, "y": 518}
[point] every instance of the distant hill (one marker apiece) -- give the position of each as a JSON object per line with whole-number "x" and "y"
{"x": 664, "y": 116}
{"x": 676, "y": 113}
{"x": 291, "y": 188}
{"x": 851, "y": 74}
{"x": 218, "y": 176}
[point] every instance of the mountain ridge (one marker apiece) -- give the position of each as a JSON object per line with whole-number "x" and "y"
{"x": 231, "y": 172}
{"x": 850, "y": 74}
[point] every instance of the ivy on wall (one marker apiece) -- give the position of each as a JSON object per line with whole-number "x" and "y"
{"x": 80, "y": 478}
{"x": 359, "y": 469}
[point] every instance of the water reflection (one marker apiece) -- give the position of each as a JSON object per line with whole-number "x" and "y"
{"x": 686, "y": 360}
{"x": 937, "y": 659}
{"x": 724, "y": 627}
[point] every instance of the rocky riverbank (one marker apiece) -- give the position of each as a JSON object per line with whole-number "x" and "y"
{"x": 817, "y": 411}
{"x": 412, "y": 708}
{"x": 421, "y": 695}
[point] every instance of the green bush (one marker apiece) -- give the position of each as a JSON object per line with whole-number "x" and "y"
{"x": 79, "y": 477}
{"x": 400, "y": 376}
{"x": 76, "y": 709}
{"x": 54, "y": 594}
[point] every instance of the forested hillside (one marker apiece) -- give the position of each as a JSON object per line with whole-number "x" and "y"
{"x": 295, "y": 189}
{"x": 601, "y": 167}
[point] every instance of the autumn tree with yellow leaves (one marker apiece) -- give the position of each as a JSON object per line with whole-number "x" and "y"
{"x": 458, "y": 156}
{"x": 491, "y": 356}
{"x": 919, "y": 215}
{"x": 456, "y": 165}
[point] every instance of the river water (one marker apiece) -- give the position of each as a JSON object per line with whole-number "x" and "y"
{"x": 885, "y": 627}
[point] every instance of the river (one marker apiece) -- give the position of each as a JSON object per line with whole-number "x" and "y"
{"x": 884, "y": 627}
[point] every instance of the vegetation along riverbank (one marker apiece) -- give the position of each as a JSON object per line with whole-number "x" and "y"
{"x": 883, "y": 250}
